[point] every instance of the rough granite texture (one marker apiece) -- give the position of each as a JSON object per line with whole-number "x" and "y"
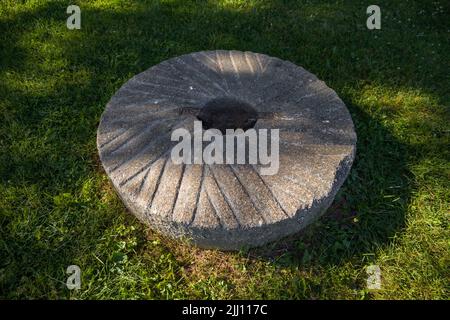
{"x": 226, "y": 206}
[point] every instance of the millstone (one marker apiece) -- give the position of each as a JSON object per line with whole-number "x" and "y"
{"x": 226, "y": 206}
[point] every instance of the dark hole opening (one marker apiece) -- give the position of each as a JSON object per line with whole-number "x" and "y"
{"x": 227, "y": 113}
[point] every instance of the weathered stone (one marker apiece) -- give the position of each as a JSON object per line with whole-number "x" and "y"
{"x": 226, "y": 206}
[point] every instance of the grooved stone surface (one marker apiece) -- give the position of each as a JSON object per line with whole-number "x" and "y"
{"x": 226, "y": 206}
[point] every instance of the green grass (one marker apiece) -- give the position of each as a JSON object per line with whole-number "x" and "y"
{"x": 57, "y": 207}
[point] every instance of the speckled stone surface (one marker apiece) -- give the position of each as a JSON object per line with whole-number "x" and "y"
{"x": 226, "y": 206}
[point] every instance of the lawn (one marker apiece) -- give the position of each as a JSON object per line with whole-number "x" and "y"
{"x": 57, "y": 207}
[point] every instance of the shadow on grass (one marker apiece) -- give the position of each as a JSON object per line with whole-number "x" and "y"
{"x": 116, "y": 43}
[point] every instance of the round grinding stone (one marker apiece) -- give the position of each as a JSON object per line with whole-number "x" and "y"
{"x": 226, "y": 206}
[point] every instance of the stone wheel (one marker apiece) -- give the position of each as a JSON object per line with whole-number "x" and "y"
{"x": 226, "y": 206}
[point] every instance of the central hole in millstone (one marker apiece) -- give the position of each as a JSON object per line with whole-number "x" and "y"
{"x": 227, "y": 113}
